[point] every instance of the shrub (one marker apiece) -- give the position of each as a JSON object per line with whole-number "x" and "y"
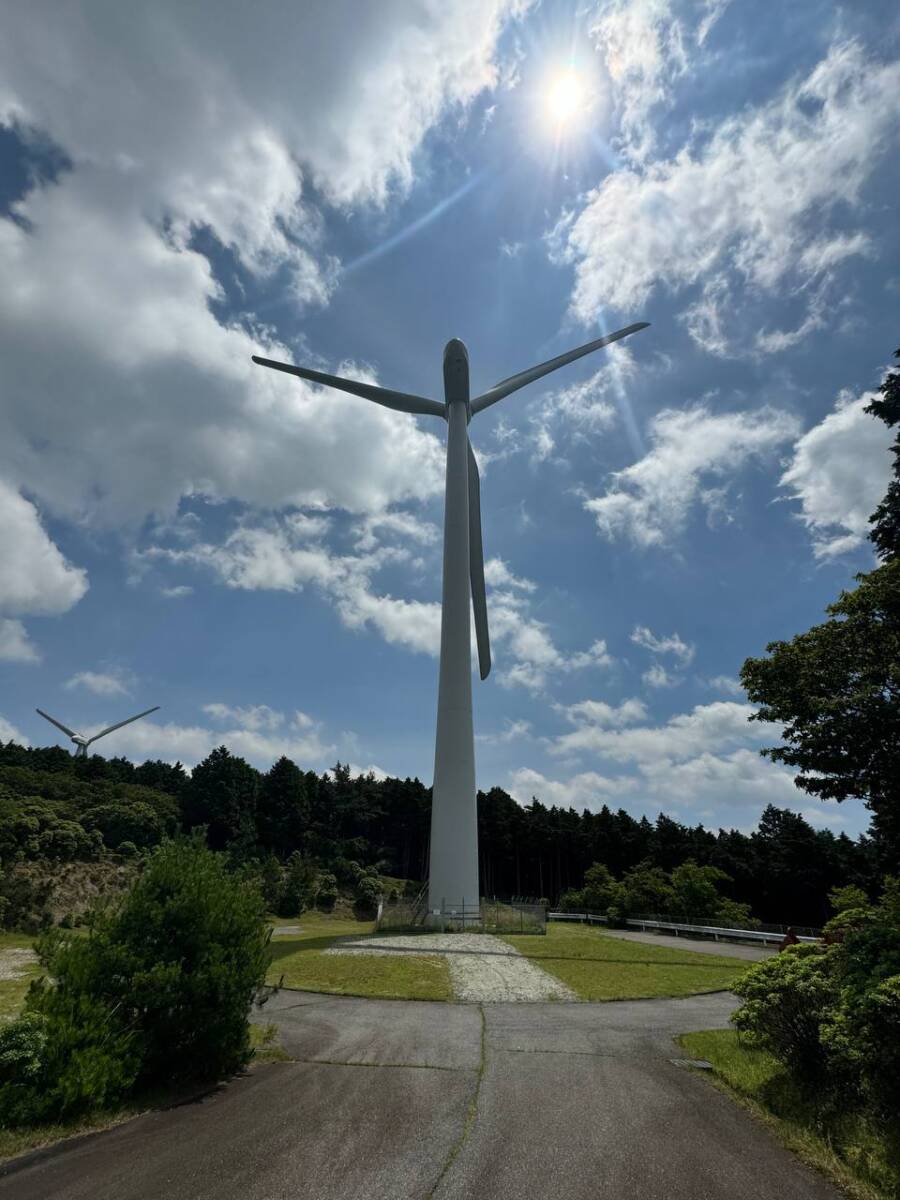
{"x": 158, "y": 991}
{"x": 327, "y": 892}
{"x": 368, "y": 893}
{"x": 298, "y": 888}
{"x": 787, "y": 999}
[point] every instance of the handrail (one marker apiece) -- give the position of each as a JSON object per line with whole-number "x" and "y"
{"x": 715, "y": 931}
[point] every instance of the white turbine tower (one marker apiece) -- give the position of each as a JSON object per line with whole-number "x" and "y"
{"x": 82, "y": 742}
{"x": 453, "y": 874}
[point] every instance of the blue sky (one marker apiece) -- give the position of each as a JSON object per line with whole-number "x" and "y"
{"x": 349, "y": 187}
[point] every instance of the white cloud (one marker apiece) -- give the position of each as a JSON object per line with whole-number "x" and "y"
{"x": 15, "y": 645}
{"x": 9, "y": 733}
{"x": 599, "y": 713}
{"x": 719, "y": 726}
{"x": 514, "y": 731}
{"x": 650, "y": 500}
{"x": 497, "y": 575}
{"x": 99, "y": 682}
{"x": 751, "y": 203}
{"x": 276, "y": 556}
{"x": 35, "y": 577}
{"x": 672, "y": 644}
{"x": 642, "y": 44}
{"x": 839, "y": 472}
{"x": 658, "y": 677}
{"x": 107, "y": 330}
{"x": 583, "y": 409}
{"x": 176, "y": 593}
{"x": 257, "y": 733}
{"x": 586, "y": 790}
{"x": 725, "y": 683}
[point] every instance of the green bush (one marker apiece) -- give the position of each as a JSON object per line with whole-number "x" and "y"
{"x": 786, "y": 1000}
{"x": 298, "y": 887}
{"x": 368, "y": 893}
{"x": 159, "y": 990}
{"x": 327, "y": 892}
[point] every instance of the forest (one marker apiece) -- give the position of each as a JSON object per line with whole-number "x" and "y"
{"x": 56, "y": 808}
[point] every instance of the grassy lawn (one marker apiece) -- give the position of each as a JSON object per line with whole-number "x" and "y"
{"x": 599, "y": 967}
{"x": 845, "y": 1147}
{"x": 12, "y": 991}
{"x": 301, "y": 961}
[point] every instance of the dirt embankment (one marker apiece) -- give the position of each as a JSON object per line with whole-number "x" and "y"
{"x": 64, "y": 890}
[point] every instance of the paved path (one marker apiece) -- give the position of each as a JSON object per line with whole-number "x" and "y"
{"x": 404, "y": 1100}
{"x": 753, "y": 953}
{"x": 483, "y": 968}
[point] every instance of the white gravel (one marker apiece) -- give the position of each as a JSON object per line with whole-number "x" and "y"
{"x": 14, "y": 963}
{"x": 483, "y": 968}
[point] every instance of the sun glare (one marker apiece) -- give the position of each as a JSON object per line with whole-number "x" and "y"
{"x": 566, "y": 97}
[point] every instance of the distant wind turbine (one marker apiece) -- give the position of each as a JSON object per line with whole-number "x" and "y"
{"x": 453, "y": 876}
{"x": 82, "y": 742}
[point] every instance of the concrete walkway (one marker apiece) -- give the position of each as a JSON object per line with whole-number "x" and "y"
{"x": 483, "y": 968}
{"x": 404, "y": 1100}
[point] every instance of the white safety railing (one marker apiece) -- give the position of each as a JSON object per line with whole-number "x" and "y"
{"x": 718, "y": 933}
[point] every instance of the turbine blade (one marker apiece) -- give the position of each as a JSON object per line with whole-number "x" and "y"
{"x": 399, "y": 401}
{"x": 119, "y": 724}
{"x": 58, "y": 724}
{"x": 499, "y": 390}
{"x": 476, "y": 569}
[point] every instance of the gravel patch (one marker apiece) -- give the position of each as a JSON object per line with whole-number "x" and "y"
{"x": 285, "y": 930}
{"x": 483, "y": 968}
{"x": 15, "y": 963}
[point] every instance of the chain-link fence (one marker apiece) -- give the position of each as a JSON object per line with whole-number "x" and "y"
{"x": 488, "y": 916}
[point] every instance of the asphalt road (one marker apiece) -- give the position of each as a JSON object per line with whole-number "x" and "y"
{"x": 389, "y": 1100}
{"x": 752, "y": 953}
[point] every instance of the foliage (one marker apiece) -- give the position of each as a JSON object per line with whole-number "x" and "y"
{"x": 326, "y": 892}
{"x": 786, "y": 1000}
{"x": 885, "y": 520}
{"x": 346, "y": 825}
{"x": 836, "y": 691}
{"x": 298, "y": 889}
{"x": 158, "y": 991}
{"x": 831, "y": 1014}
{"x": 221, "y": 795}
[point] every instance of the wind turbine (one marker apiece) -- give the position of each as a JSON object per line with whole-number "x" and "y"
{"x": 453, "y": 875}
{"x": 82, "y": 742}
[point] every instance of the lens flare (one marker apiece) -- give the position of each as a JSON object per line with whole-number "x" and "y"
{"x": 566, "y": 97}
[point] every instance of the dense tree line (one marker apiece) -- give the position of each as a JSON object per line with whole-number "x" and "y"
{"x": 53, "y": 805}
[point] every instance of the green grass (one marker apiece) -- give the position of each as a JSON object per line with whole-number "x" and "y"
{"x": 599, "y": 967}
{"x": 299, "y": 961}
{"x": 842, "y": 1145}
{"x": 12, "y": 991}
{"x": 266, "y": 1049}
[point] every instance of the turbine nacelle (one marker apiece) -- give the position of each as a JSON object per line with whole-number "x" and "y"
{"x": 456, "y": 374}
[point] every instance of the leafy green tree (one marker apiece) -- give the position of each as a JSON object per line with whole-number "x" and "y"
{"x": 298, "y": 889}
{"x": 885, "y": 520}
{"x": 221, "y": 794}
{"x": 137, "y": 823}
{"x": 645, "y": 889}
{"x": 282, "y": 809}
{"x": 836, "y": 691}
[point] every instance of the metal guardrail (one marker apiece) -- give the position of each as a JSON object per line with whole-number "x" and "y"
{"x": 716, "y": 932}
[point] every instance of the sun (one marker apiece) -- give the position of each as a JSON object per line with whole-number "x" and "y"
{"x": 566, "y": 97}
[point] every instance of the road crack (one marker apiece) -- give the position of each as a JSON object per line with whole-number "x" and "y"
{"x": 471, "y": 1113}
